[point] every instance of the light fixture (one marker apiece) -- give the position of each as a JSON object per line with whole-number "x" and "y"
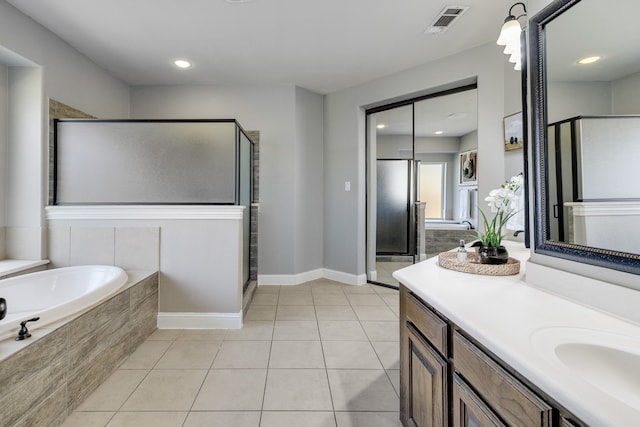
{"x": 182, "y": 63}
{"x": 510, "y": 36}
{"x": 589, "y": 60}
{"x": 439, "y": 132}
{"x": 381, "y": 126}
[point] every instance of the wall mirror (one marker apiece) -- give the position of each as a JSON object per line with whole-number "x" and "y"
{"x": 585, "y": 84}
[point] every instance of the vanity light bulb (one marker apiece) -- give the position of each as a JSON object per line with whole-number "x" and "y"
{"x": 510, "y": 32}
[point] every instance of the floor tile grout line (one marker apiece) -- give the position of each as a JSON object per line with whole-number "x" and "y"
{"x": 143, "y": 378}
{"x": 324, "y": 359}
{"x": 367, "y": 338}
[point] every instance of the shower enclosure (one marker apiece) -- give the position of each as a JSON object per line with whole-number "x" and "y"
{"x": 155, "y": 162}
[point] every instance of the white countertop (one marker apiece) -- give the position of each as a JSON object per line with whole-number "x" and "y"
{"x": 503, "y": 312}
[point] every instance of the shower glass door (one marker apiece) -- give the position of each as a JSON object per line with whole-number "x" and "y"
{"x": 391, "y": 193}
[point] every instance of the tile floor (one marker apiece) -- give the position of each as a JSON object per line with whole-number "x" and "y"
{"x": 385, "y": 270}
{"x": 320, "y": 354}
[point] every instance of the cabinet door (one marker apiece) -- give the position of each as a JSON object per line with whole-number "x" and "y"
{"x": 511, "y": 399}
{"x": 469, "y": 410}
{"x": 423, "y": 375}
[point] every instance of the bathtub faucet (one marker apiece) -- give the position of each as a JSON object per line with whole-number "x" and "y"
{"x": 24, "y": 332}
{"x": 469, "y": 225}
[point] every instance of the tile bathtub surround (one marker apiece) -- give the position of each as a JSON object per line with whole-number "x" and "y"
{"x": 320, "y": 354}
{"x": 45, "y": 379}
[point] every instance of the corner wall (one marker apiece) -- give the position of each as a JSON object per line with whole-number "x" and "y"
{"x": 344, "y": 150}
{"x": 58, "y": 71}
{"x": 291, "y": 168}
{"x": 4, "y": 146}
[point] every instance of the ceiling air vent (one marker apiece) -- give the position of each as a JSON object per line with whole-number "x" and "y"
{"x": 446, "y": 19}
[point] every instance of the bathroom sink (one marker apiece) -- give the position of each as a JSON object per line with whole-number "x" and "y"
{"x": 608, "y": 361}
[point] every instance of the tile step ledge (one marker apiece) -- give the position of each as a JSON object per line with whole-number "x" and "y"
{"x": 9, "y": 267}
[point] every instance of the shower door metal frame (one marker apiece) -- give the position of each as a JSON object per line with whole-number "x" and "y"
{"x": 390, "y": 106}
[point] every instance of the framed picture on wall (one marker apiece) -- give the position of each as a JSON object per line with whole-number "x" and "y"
{"x": 469, "y": 167}
{"x": 513, "y": 139}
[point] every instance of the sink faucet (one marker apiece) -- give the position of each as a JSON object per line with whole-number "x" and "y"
{"x": 515, "y": 233}
{"x": 469, "y": 225}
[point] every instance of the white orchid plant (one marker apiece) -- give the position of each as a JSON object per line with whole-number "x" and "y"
{"x": 502, "y": 202}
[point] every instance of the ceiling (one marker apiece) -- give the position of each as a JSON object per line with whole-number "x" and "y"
{"x": 454, "y": 115}
{"x": 590, "y": 28}
{"x": 321, "y": 45}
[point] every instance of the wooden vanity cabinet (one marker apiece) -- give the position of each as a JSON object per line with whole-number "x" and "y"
{"x": 446, "y": 379}
{"x": 469, "y": 409}
{"x": 510, "y": 399}
{"x": 424, "y": 369}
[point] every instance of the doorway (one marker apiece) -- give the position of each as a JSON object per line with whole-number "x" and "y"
{"x": 413, "y": 151}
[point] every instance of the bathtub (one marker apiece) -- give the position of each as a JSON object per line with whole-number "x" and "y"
{"x": 444, "y": 225}
{"x": 55, "y": 294}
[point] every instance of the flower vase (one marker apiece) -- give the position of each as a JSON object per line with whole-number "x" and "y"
{"x": 493, "y": 255}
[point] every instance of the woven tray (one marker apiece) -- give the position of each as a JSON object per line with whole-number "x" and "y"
{"x": 449, "y": 260}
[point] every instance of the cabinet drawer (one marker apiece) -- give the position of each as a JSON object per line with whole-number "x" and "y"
{"x": 508, "y": 397}
{"x": 426, "y": 321}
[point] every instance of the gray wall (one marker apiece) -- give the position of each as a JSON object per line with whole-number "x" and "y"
{"x": 626, "y": 95}
{"x": 4, "y": 147}
{"x": 289, "y": 121}
{"x": 47, "y": 68}
{"x": 308, "y": 172}
{"x": 344, "y": 146}
{"x": 570, "y": 99}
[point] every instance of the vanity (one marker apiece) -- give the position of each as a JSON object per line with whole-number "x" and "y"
{"x": 493, "y": 351}
{"x": 558, "y": 344}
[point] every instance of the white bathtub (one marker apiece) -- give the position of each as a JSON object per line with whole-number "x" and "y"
{"x": 444, "y": 225}
{"x": 55, "y": 294}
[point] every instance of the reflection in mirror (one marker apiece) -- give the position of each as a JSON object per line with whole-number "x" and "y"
{"x": 586, "y": 98}
{"x": 418, "y": 201}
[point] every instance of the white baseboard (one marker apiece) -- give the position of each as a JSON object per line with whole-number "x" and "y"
{"x": 289, "y": 279}
{"x": 297, "y": 279}
{"x": 199, "y": 320}
{"x": 346, "y": 278}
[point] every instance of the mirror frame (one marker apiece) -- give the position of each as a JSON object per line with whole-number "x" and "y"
{"x": 611, "y": 259}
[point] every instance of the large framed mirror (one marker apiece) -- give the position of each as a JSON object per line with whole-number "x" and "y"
{"x": 585, "y": 86}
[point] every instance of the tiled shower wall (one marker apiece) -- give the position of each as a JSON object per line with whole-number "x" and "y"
{"x": 437, "y": 241}
{"x": 3, "y": 243}
{"x": 58, "y": 110}
{"x": 253, "y": 255}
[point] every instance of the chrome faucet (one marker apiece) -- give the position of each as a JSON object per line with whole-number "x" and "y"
{"x": 469, "y": 225}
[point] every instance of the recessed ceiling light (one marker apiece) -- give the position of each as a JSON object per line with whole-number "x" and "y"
{"x": 381, "y": 126}
{"x": 181, "y": 63}
{"x": 439, "y": 132}
{"x": 589, "y": 60}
